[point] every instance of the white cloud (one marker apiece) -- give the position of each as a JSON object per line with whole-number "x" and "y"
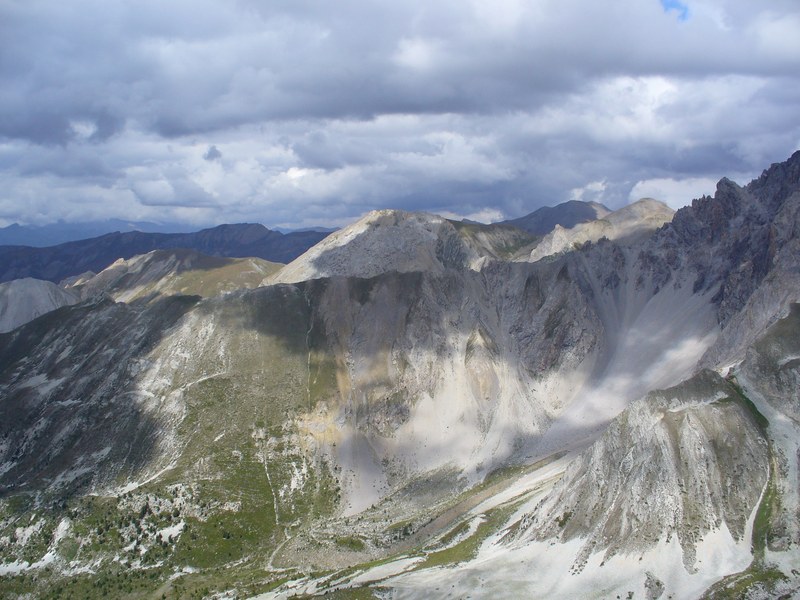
{"x": 778, "y": 35}
{"x": 437, "y": 105}
{"x": 675, "y": 193}
{"x": 592, "y": 191}
{"x": 486, "y": 215}
{"x": 417, "y": 54}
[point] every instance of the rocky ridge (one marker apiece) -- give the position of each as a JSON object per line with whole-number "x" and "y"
{"x": 394, "y": 240}
{"x": 678, "y": 462}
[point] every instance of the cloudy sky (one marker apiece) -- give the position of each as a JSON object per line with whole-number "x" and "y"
{"x": 301, "y": 112}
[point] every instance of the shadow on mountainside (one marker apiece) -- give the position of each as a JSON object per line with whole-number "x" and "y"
{"x": 71, "y": 418}
{"x": 392, "y": 338}
{"x": 534, "y": 320}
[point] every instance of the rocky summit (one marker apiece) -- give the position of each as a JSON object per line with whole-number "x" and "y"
{"x": 420, "y": 408}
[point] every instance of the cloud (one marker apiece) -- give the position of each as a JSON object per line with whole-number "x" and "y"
{"x": 590, "y": 192}
{"x": 488, "y": 215}
{"x": 443, "y": 105}
{"x": 675, "y": 193}
{"x": 212, "y": 153}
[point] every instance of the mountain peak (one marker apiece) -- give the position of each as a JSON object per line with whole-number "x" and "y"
{"x": 567, "y": 214}
{"x": 382, "y": 240}
{"x": 629, "y": 223}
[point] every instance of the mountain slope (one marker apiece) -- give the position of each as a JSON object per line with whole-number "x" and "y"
{"x": 173, "y": 272}
{"x": 567, "y": 215}
{"x": 73, "y": 258}
{"x": 686, "y": 485}
{"x": 52, "y": 386}
{"x": 23, "y": 300}
{"x": 627, "y": 225}
{"x": 393, "y": 240}
{"x": 417, "y": 398}
{"x": 677, "y": 463}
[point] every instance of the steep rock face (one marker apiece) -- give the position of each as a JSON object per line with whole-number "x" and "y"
{"x": 628, "y": 225}
{"x": 510, "y": 362}
{"x": 682, "y": 462}
{"x": 23, "y": 300}
{"x": 747, "y": 227}
{"x": 772, "y": 294}
{"x": 426, "y": 363}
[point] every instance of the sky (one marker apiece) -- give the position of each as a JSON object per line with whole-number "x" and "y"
{"x": 298, "y": 113}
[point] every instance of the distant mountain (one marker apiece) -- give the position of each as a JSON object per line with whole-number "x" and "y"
{"x": 317, "y": 229}
{"x": 567, "y": 214}
{"x": 144, "y": 278}
{"x": 627, "y": 225}
{"x": 40, "y": 236}
{"x": 72, "y": 258}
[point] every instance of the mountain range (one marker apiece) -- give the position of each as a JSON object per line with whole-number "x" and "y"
{"x": 421, "y": 408}
{"x": 54, "y": 263}
{"x": 61, "y": 232}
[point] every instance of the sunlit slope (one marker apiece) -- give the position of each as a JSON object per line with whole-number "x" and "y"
{"x": 174, "y": 272}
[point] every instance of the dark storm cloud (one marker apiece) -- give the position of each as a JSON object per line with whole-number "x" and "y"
{"x": 212, "y": 153}
{"x": 448, "y": 105}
